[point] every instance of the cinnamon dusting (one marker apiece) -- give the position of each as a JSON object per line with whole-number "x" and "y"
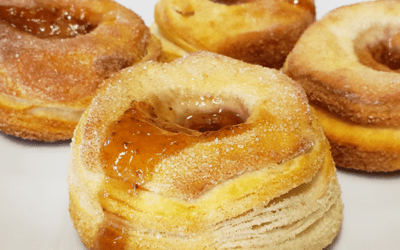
{"x": 140, "y": 139}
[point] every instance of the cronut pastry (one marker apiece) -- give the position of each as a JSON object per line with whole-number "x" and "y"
{"x": 348, "y": 63}
{"x": 256, "y": 31}
{"x": 55, "y": 54}
{"x": 206, "y": 152}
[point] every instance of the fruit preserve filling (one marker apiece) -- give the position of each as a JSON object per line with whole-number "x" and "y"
{"x": 48, "y": 23}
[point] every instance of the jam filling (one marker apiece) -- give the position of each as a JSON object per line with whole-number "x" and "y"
{"x": 140, "y": 139}
{"x": 47, "y": 23}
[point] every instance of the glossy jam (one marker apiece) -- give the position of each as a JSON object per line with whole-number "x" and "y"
{"x": 387, "y": 52}
{"x": 47, "y": 23}
{"x": 140, "y": 139}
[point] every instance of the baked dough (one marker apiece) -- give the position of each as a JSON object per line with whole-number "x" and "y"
{"x": 258, "y": 32}
{"x": 347, "y": 62}
{"x": 54, "y": 56}
{"x": 253, "y": 171}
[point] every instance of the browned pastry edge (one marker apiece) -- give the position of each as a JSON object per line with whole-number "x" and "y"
{"x": 39, "y": 128}
{"x": 361, "y": 108}
{"x": 181, "y": 26}
{"x": 328, "y": 223}
{"x": 357, "y": 102}
{"x": 360, "y": 147}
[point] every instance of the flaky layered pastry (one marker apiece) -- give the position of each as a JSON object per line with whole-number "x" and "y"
{"x": 348, "y": 63}
{"x": 206, "y": 152}
{"x": 255, "y": 31}
{"x": 54, "y": 56}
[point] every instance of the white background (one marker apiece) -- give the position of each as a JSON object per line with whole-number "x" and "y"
{"x": 34, "y": 198}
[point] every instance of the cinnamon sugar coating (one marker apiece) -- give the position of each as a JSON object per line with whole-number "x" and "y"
{"x": 50, "y": 71}
{"x": 141, "y": 174}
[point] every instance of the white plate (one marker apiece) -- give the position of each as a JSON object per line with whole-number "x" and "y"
{"x": 34, "y": 199}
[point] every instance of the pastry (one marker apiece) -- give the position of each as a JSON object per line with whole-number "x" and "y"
{"x": 348, "y": 64}
{"x": 206, "y": 152}
{"x": 257, "y": 32}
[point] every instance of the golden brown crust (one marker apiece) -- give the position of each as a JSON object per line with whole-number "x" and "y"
{"x": 352, "y": 157}
{"x": 194, "y": 198}
{"x": 258, "y": 32}
{"x": 361, "y": 147}
{"x": 66, "y": 73}
{"x": 348, "y": 68}
{"x": 23, "y": 124}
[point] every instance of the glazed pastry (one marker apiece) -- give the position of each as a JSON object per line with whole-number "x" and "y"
{"x": 258, "y": 32}
{"x": 206, "y": 152}
{"x": 54, "y": 56}
{"x": 348, "y": 63}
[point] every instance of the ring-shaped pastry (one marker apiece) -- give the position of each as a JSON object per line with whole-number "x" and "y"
{"x": 206, "y": 152}
{"x": 348, "y": 64}
{"x": 54, "y": 56}
{"x": 255, "y": 31}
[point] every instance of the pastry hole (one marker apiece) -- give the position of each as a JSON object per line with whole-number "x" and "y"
{"x": 185, "y": 14}
{"x": 48, "y": 23}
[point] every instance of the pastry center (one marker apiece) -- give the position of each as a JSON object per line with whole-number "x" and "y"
{"x": 387, "y": 52}
{"x": 47, "y": 23}
{"x": 308, "y": 4}
{"x": 144, "y": 135}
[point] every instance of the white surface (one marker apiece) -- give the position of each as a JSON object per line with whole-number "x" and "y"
{"x": 34, "y": 199}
